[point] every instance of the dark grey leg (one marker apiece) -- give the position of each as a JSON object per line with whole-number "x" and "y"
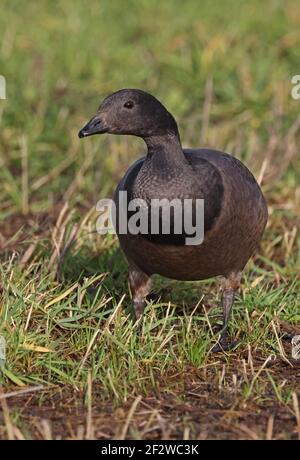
{"x": 228, "y": 296}
{"x": 140, "y": 285}
{"x": 230, "y": 286}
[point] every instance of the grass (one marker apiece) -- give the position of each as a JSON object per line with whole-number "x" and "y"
{"x": 75, "y": 367}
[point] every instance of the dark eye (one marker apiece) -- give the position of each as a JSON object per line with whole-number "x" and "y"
{"x": 129, "y": 104}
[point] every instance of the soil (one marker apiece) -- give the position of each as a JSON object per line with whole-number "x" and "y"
{"x": 194, "y": 407}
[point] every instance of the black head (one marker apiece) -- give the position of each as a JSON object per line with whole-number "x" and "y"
{"x": 131, "y": 111}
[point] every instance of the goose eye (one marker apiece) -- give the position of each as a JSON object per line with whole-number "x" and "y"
{"x": 128, "y": 104}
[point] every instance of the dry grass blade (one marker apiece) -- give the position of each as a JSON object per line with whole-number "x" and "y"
{"x": 28, "y": 253}
{"x": 8, "y": 424}
{"x": 297, "y": 411}
{"x": 281, "y": 350}
{"x": 270, "y": 427}
{"x": 52, "y": 175}
{"x": 129, "y": 418}
{"x": 90, "y": 432}
{"x": 44, "y": 427}
{"x": 61, "y": 296}
{"x": 25, "y": 185}
{"x": 12, "y": 394}
{"x": 89, "y": 348}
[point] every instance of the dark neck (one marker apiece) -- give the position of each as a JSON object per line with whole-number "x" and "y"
{"x": 164, "y": 163}
{"x": 167, "y": 145}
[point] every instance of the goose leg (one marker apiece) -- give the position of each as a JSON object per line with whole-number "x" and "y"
{"x": 140, "y": 285}
{"x": 230, "y": 286}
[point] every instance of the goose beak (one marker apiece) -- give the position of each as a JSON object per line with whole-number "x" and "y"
{"x": 94, "y": 126}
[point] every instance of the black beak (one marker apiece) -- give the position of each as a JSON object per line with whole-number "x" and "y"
{"x": 94, "y": 126}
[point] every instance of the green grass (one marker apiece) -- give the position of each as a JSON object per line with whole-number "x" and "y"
{"x": 224, "y": 70}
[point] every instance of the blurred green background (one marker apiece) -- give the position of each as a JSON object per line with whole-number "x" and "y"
{"x": 61, "y": 57}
